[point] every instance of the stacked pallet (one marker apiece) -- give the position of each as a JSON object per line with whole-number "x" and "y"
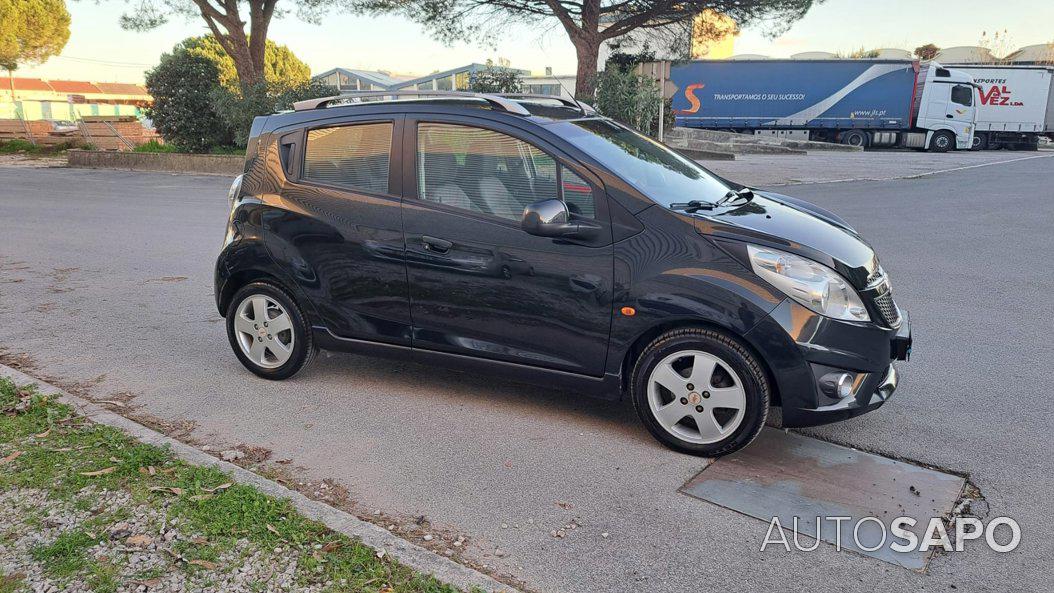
{"x": 102, "y": 132}
{"x": 15, "y": 129}
{"x": 110, "y": 132}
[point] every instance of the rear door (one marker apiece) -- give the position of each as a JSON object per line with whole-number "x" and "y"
{"x": 342, "y": 234}
{"x": 479, "y": 284}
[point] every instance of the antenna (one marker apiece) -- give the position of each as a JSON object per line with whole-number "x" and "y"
{"x": 581, "y": 106}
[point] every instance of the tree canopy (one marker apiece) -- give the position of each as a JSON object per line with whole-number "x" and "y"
{"x": 282, "y": 69}
{"x": 588, "y": 23}
{"x": 927, "y": 52}
{"x": 32, "y": 31}
{"x": 226, "y": 20}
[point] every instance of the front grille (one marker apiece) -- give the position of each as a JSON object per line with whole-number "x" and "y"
{"x": 887, "y": 309}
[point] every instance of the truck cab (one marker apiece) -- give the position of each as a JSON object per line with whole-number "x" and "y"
{"x": 945, "y": 102}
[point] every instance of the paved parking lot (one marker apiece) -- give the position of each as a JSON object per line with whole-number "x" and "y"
{"x": 106, "y": 278}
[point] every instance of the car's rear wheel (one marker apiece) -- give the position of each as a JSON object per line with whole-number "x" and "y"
{"x": 268, "y": 332}
{"x": 700, "y": 391}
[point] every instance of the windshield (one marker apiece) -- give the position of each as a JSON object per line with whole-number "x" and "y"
{"x": 653, "y": 169}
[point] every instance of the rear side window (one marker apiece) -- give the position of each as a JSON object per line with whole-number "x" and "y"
{"x": 962, "y": 94}
{"x": 490, "y": 173}
{"x": 355, "y": 156}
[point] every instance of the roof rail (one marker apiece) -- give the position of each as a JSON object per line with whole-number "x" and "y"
{"x": 498, "y": 101}
{"x": 584, "y": 107}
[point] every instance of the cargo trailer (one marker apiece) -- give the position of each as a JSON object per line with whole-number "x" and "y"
{"x": 1015, "y": 105}
{"x": 869, "y": 103}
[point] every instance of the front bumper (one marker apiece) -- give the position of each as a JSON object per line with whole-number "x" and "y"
{"x": 801, "y": 347}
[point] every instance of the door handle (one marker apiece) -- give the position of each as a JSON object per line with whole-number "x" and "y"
{"x": 436, "y": 245}
{"x": 949, "y": 116}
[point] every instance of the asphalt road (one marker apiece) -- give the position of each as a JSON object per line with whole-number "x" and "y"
{"x": 106, "y": 277}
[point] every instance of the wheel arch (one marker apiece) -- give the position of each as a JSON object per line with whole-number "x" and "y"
{"x": 636, "y": 348}
{"x": 239, "y": 278}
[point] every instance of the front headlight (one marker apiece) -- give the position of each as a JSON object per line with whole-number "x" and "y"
{"x": 812, "y": 284}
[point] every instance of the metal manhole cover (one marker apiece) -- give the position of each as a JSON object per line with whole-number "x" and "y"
{"x": 787, "y": 475}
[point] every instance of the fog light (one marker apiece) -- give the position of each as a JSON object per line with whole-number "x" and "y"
{"x": 838, "y": 385}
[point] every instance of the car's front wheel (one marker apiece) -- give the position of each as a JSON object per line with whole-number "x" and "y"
{"x": 700, "y": 391}
{"x": 268, "y": 332}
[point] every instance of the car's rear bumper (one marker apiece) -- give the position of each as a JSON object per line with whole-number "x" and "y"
{"x": 801, "y": 347}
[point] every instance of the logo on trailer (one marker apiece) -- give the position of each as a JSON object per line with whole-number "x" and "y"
{"x": 689, "y": 93}
{"x": 999, "y": 95}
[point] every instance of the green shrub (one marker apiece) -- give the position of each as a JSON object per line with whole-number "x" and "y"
{"x": 238, "y": 108}
{"x": 18, "y": 145}
{"x": 629, "y": 98}
{"x": 183, "y": 113}
{"x": 494, "y": 79}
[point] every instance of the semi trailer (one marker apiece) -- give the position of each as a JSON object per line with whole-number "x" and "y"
{"x": 1015, "y": 105}
{"x": 868, "y": 103}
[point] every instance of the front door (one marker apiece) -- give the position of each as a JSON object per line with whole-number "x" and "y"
{"x": 961, "y": 113}
{"x": 479, "y": 284}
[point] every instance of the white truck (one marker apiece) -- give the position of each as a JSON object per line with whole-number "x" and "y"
{"x": 1015, "y": 105}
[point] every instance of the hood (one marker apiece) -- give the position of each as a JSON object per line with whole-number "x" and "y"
{"x": 795, "y": 226}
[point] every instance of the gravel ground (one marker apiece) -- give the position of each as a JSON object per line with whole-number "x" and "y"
{"x": 140, "y": 552}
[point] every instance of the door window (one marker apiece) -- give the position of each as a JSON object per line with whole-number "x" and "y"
{"x": 490, "y": 173}
{"x": 962, "y": 94}
{"x": 353, "y": 156}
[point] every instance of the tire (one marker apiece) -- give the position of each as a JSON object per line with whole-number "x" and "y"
{"x": 942, "y": 141}
{"x": 273, "y": 355}
{"x": 737, "y": 379}
{"x": 855, "y": 138}
{"x": 980, "y": 141}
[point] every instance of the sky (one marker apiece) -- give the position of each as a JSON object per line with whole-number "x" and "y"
{"x": 99, "y": 50}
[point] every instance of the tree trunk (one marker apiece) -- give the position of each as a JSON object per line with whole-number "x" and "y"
{"x": 588, "y": 50}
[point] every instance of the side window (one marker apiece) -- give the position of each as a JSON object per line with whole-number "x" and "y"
{"x": 962, "y": 94}
{"x": 490, "y": 173}
{"x": 481, "y": 170}
{"x": 354, "y": 156}
{"x": 577, "y": 194}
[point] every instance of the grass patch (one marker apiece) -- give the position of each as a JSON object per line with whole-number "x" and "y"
{"x": 10, "y": 583}
{"x": 19, "y": 146}
{"x": 155, "y": 146}
{"x": 67, "y": 555}
{"x": 61, "y": 454}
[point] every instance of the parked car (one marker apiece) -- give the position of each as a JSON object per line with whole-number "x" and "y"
{"x": 531, "y": 238}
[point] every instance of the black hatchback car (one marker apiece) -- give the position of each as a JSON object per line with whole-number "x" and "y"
{"x": 529, "y": 237}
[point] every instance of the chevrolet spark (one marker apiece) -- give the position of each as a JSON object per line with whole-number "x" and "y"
{"x": 531, "y": 238}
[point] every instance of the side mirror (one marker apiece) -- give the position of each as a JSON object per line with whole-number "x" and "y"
{"x": 550, "y": 218}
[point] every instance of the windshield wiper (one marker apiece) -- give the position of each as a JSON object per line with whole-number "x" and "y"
{"x": 696, "y": 205}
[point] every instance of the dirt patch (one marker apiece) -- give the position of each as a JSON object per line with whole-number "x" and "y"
{"x": 168, "y": 279}
{"x": 177, "y": 429}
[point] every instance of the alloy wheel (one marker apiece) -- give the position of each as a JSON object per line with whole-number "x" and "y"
{"x": 264, "y": 331}
{"x": 696, "y": 397}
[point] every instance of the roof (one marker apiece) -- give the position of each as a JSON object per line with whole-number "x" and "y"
{"x": 372, "y": 76}
{"x": 30, "y": 84}
{"x": 121, "y": 88}
{"x": 78, "y": 87}
{"x": 473, "y": 67}
{"x": 74, "y": 86}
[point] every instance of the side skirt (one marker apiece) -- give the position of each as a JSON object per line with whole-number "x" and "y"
{"x": 606, "y": 387}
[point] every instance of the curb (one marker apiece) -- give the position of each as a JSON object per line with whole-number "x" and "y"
{"x": 378, "y": 538}
{"x": 160, "y": 162}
